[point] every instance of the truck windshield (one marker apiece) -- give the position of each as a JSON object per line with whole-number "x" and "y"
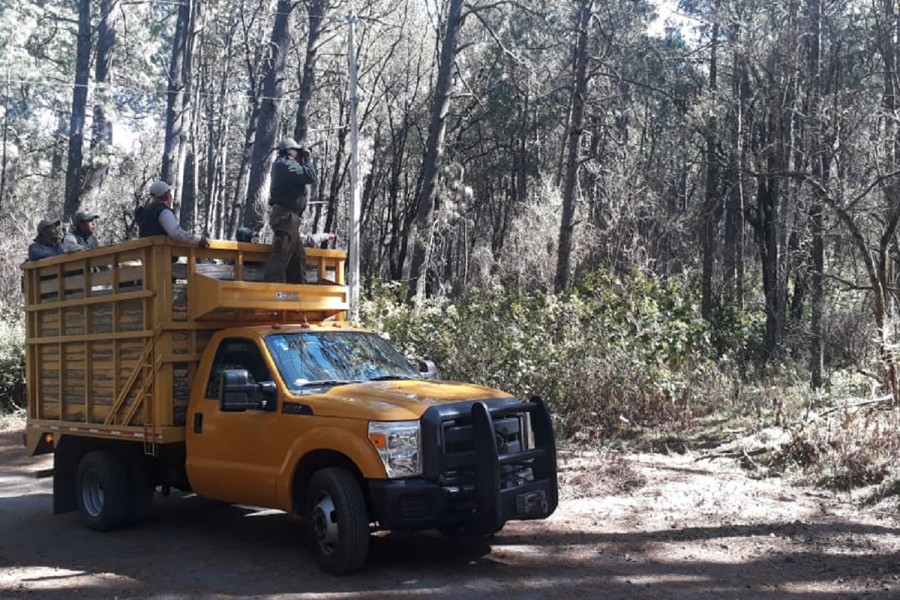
{"x": 322, "y": 358}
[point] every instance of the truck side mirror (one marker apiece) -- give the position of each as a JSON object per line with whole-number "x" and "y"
{"x": 238, "y": 392}
{"x": 269, "y": 392}
{"x": 427, "y": 368}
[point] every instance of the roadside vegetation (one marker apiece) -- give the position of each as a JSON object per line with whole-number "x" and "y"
{"x": 12, "y": 364}
{"x": 626, "y": 361}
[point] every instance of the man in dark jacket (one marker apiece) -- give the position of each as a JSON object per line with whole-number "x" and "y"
{"x": 157, "y": 217}
{"x": 46, "y": 244}
{"x": 291, "y": 173}
{"x": 81, "y": 237}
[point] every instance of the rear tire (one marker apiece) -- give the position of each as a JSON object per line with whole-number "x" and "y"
{"x": 337, "y": 521}
{"x": 101, "y": 486}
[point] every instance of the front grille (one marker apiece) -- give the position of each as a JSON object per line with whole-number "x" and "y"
{"x": 494, "y": 460}
{"x": 458, "y": 436}
{"x": 450, "y": 429}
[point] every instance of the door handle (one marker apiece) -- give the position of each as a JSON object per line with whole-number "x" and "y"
{"x": 198, "y": 422}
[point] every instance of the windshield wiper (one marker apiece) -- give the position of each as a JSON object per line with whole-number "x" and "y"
{"x": 390, "y": 378}
{"x": 325, "y": 383}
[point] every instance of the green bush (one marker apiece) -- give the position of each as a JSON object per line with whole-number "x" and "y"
{"x": 12, "y": 364}
{"x": 614, "y": 353}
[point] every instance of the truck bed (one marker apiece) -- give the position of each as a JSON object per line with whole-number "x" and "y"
{"x": 113, "y": 335}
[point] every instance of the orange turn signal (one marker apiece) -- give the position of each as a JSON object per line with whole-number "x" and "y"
{"x": 378, "y": 440}
{"x": 48, "y": 438}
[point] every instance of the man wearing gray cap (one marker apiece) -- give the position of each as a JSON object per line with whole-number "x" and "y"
{"x": 291, "y": 173}
{"x": 158, "y": 218}
{"x": 81, "y": 236}
{"x": 46, "y": 244}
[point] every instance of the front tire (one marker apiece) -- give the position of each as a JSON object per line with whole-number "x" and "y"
{"x": 101, "y": 489}
{"x": 337, "y": 521}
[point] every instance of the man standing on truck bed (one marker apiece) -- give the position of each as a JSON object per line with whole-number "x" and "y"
{"x": 158, "y": 218}
{"x": 291, "y": 173}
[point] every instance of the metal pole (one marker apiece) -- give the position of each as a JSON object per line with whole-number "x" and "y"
{"x": 355, "y": 209}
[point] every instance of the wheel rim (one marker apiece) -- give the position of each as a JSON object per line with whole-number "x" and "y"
{"x": 324, "y": 523}
{"x": 92, "y": 494}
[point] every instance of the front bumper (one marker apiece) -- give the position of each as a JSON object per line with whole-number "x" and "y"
{"x": 484, "y": 464}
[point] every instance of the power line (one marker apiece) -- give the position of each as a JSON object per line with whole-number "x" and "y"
{"x": 114, "y": 87}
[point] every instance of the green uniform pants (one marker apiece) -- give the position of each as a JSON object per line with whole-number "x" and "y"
{"x": 288, "y": 259}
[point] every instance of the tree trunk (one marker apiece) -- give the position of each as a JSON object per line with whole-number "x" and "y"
{"x": 239, "y": 201}
{"x": 269, "y": 116}
{"x": 434, "y": 149}
{"x": 884, "y": 306}
{"x": 397, "y": 212}
{"x": 4, "y": 155}
{"x": 188, "y": 189}
{"x": 733, "y": 272}
{"x": 175, "y": 92}
{"x": 316, "y": 13}
{"x": 341, "y": 164}
{"x": 820, "y": 171}
{"x": 712, "y": 206}
{"x": 101, "y": 131}
{"x": 74, "y": 168}
{"x": 767, "y": 212}
{"x": 216, "y": 152}
{"x": 573, "y": 158}
{"x": 189, "y": 107}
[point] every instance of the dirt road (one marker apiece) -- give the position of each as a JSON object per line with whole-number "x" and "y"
{"x": 633, "y": 526}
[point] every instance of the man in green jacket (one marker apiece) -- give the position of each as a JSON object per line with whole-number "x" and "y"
{"x": 291, "y": 173}
{"x": 81, "y": 236}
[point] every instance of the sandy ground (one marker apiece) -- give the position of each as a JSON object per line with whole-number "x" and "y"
{"x": 628, "y": 526}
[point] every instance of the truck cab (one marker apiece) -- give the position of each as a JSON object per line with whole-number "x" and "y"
{"x": 242, "y": 397}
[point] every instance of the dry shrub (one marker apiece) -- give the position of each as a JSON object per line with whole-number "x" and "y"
{"x": 849, "y": 448}
{"x": 609, "y": 399}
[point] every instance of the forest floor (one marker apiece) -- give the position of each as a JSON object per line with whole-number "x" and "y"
{"x": 632, "y": 525}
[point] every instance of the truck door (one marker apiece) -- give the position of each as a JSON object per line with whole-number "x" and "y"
{"x": 235, "y": 456}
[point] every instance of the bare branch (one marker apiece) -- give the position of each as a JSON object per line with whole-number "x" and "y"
{"x": 848, "y": 285}
{"x": 500, "y": 3}
{"x": 496, "y": 38}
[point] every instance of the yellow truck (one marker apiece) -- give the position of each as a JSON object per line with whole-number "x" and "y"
{"x": 152, "y": 365}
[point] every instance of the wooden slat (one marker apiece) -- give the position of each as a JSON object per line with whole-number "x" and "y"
{"x": 92, "y": 337}
{"x": 121, "y": 296}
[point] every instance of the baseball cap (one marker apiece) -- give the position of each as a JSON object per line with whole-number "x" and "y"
{"x": 159, "y": 188}
{"x": 85, "y": 215}
{"x": 288, "y": 143}
{"x": 45, "y": 223}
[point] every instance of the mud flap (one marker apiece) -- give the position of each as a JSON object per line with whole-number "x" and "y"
{"x": 65, "y": 466}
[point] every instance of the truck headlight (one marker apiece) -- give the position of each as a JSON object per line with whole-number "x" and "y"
{"x": 399, "y": 444}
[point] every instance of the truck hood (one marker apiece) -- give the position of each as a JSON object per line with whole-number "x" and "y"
{"x": 396, "y": 400}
